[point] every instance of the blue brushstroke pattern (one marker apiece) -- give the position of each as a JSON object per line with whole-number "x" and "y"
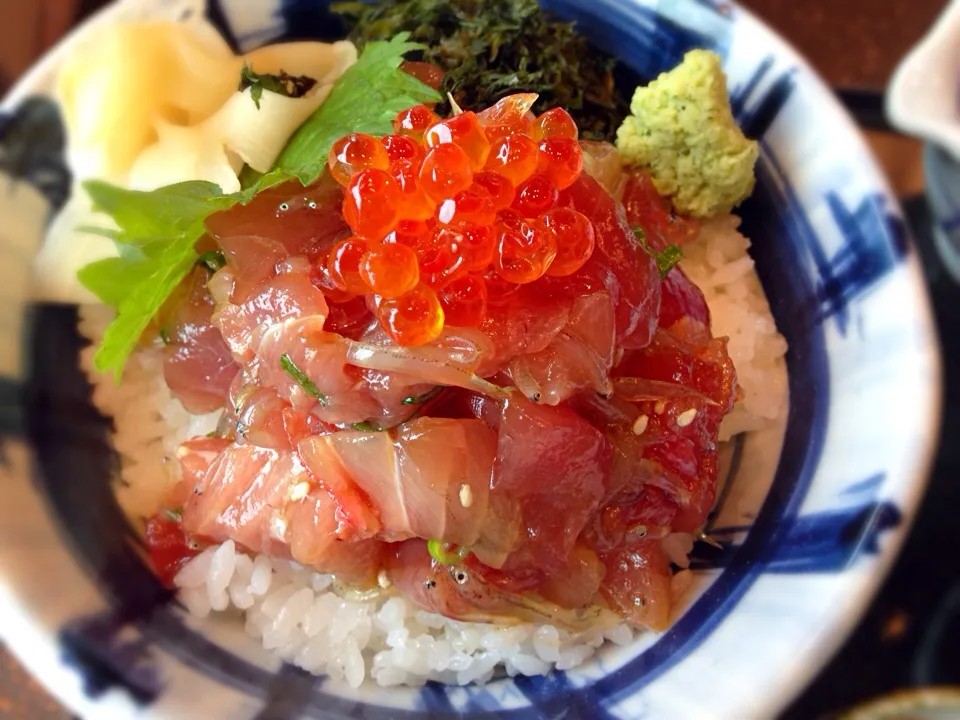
{"x": 755, "y": 115}
{"x": 868, "y": 485}
{"x": 92, "y": 645}
{"x": 828, "y": 541}
{"x": 874, "y": 238}
{"x": 32, "y": 148}
{"x": 875, "y": 241}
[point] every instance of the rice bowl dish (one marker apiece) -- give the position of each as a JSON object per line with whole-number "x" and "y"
{"x": 328, "y": 627}
{"x": 364, "y": 621}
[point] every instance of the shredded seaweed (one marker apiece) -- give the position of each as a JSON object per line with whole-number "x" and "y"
{"x": 492, "y": 48}
{"x": 283, "y": 84}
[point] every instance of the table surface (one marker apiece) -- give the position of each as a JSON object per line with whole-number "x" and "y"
{"x": 854, "y": 44}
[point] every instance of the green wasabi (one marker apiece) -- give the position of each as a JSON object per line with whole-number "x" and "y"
{"x": 681, "y": 129}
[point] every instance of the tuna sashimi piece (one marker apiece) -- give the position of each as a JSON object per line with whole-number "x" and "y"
{"x": 458, "y": 592}
{"x": 553, "y": 465}
{"x": 243, "y": 496}
{"x": 576, "y": 585}
{"x": 634, "y": 277}
{"x": 579, "y": 358}
{"x": 429, "y": 478}
{"x": 252, "y": 260}
{"x": 637, "y": 584}
{"x": 682, "y": 299}
{"x": 284, "y": 297}
{"x": 649, "y": 210}
{"x": 267, "y": 501}
{"x": 299, "y": 348}
{"x": 197, "y": 364}
{"x": 305, "y": 221}
{"x": 682, "y": 390}
{"x": 526, "y": 321}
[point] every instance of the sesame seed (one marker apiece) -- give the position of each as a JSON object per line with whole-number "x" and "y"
{"x": 299, "y": 491}
{"x": 660, "y": 407}
{"x": 686, "y": 417}
{"x": 278, "y": 527}
{"x": 383, "y": 580}
{"x": 640, "y": 424}
{"x": 466, "y": 495}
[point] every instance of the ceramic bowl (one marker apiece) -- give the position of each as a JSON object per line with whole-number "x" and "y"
{"x": 811, "y": 519}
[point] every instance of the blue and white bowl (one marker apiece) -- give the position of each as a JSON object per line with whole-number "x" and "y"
{"x": 819, "y": 523}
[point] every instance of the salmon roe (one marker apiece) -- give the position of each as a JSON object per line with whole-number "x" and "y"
{"x": 390, "y": 270}
{"x": 415, "y": 121}
{"x": 401, "y": 147}
{"x": 451, "y": 216}
{"x": 464, "y": 301}
{"x": 445, "y": 171}
{"x": 343, "y": 263}
{"x": 575, "y": 239}
{"x": 414, "y": 318}
{"x": 465, "y": 131}
{"x": 353, "y": 153}
{"x": 516, "y": 157}
{"x": 555, "y": 122}
{"x": 372, "y": 203}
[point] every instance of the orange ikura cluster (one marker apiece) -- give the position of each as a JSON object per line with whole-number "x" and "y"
{"x": 449, "y": 213}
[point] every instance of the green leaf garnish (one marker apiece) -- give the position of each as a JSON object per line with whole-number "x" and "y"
{"x": 158, "y": 230}
{"x": 446, "y": 557}
{"x": 365, "y": 99}
{"x": 293, "y": 370}
{"x": 283, "y": 84}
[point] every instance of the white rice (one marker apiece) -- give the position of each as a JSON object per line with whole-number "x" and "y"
{"x": 296, "y": 612}
{"x": 719, "y": 265}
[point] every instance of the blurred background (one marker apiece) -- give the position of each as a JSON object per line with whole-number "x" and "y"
{"x": 911, "y": 635}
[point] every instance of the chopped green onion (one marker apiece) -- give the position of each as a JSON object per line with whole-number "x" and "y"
{"x": 446, "y": 557}
{"x": 213, "y": 260}
{"x": 420, "y": 399}
{"x": 165, "y": 335}
{"x": 173, "y": 515}
{"x": 668, "y": 258}
{"x": 290, "y": 367}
